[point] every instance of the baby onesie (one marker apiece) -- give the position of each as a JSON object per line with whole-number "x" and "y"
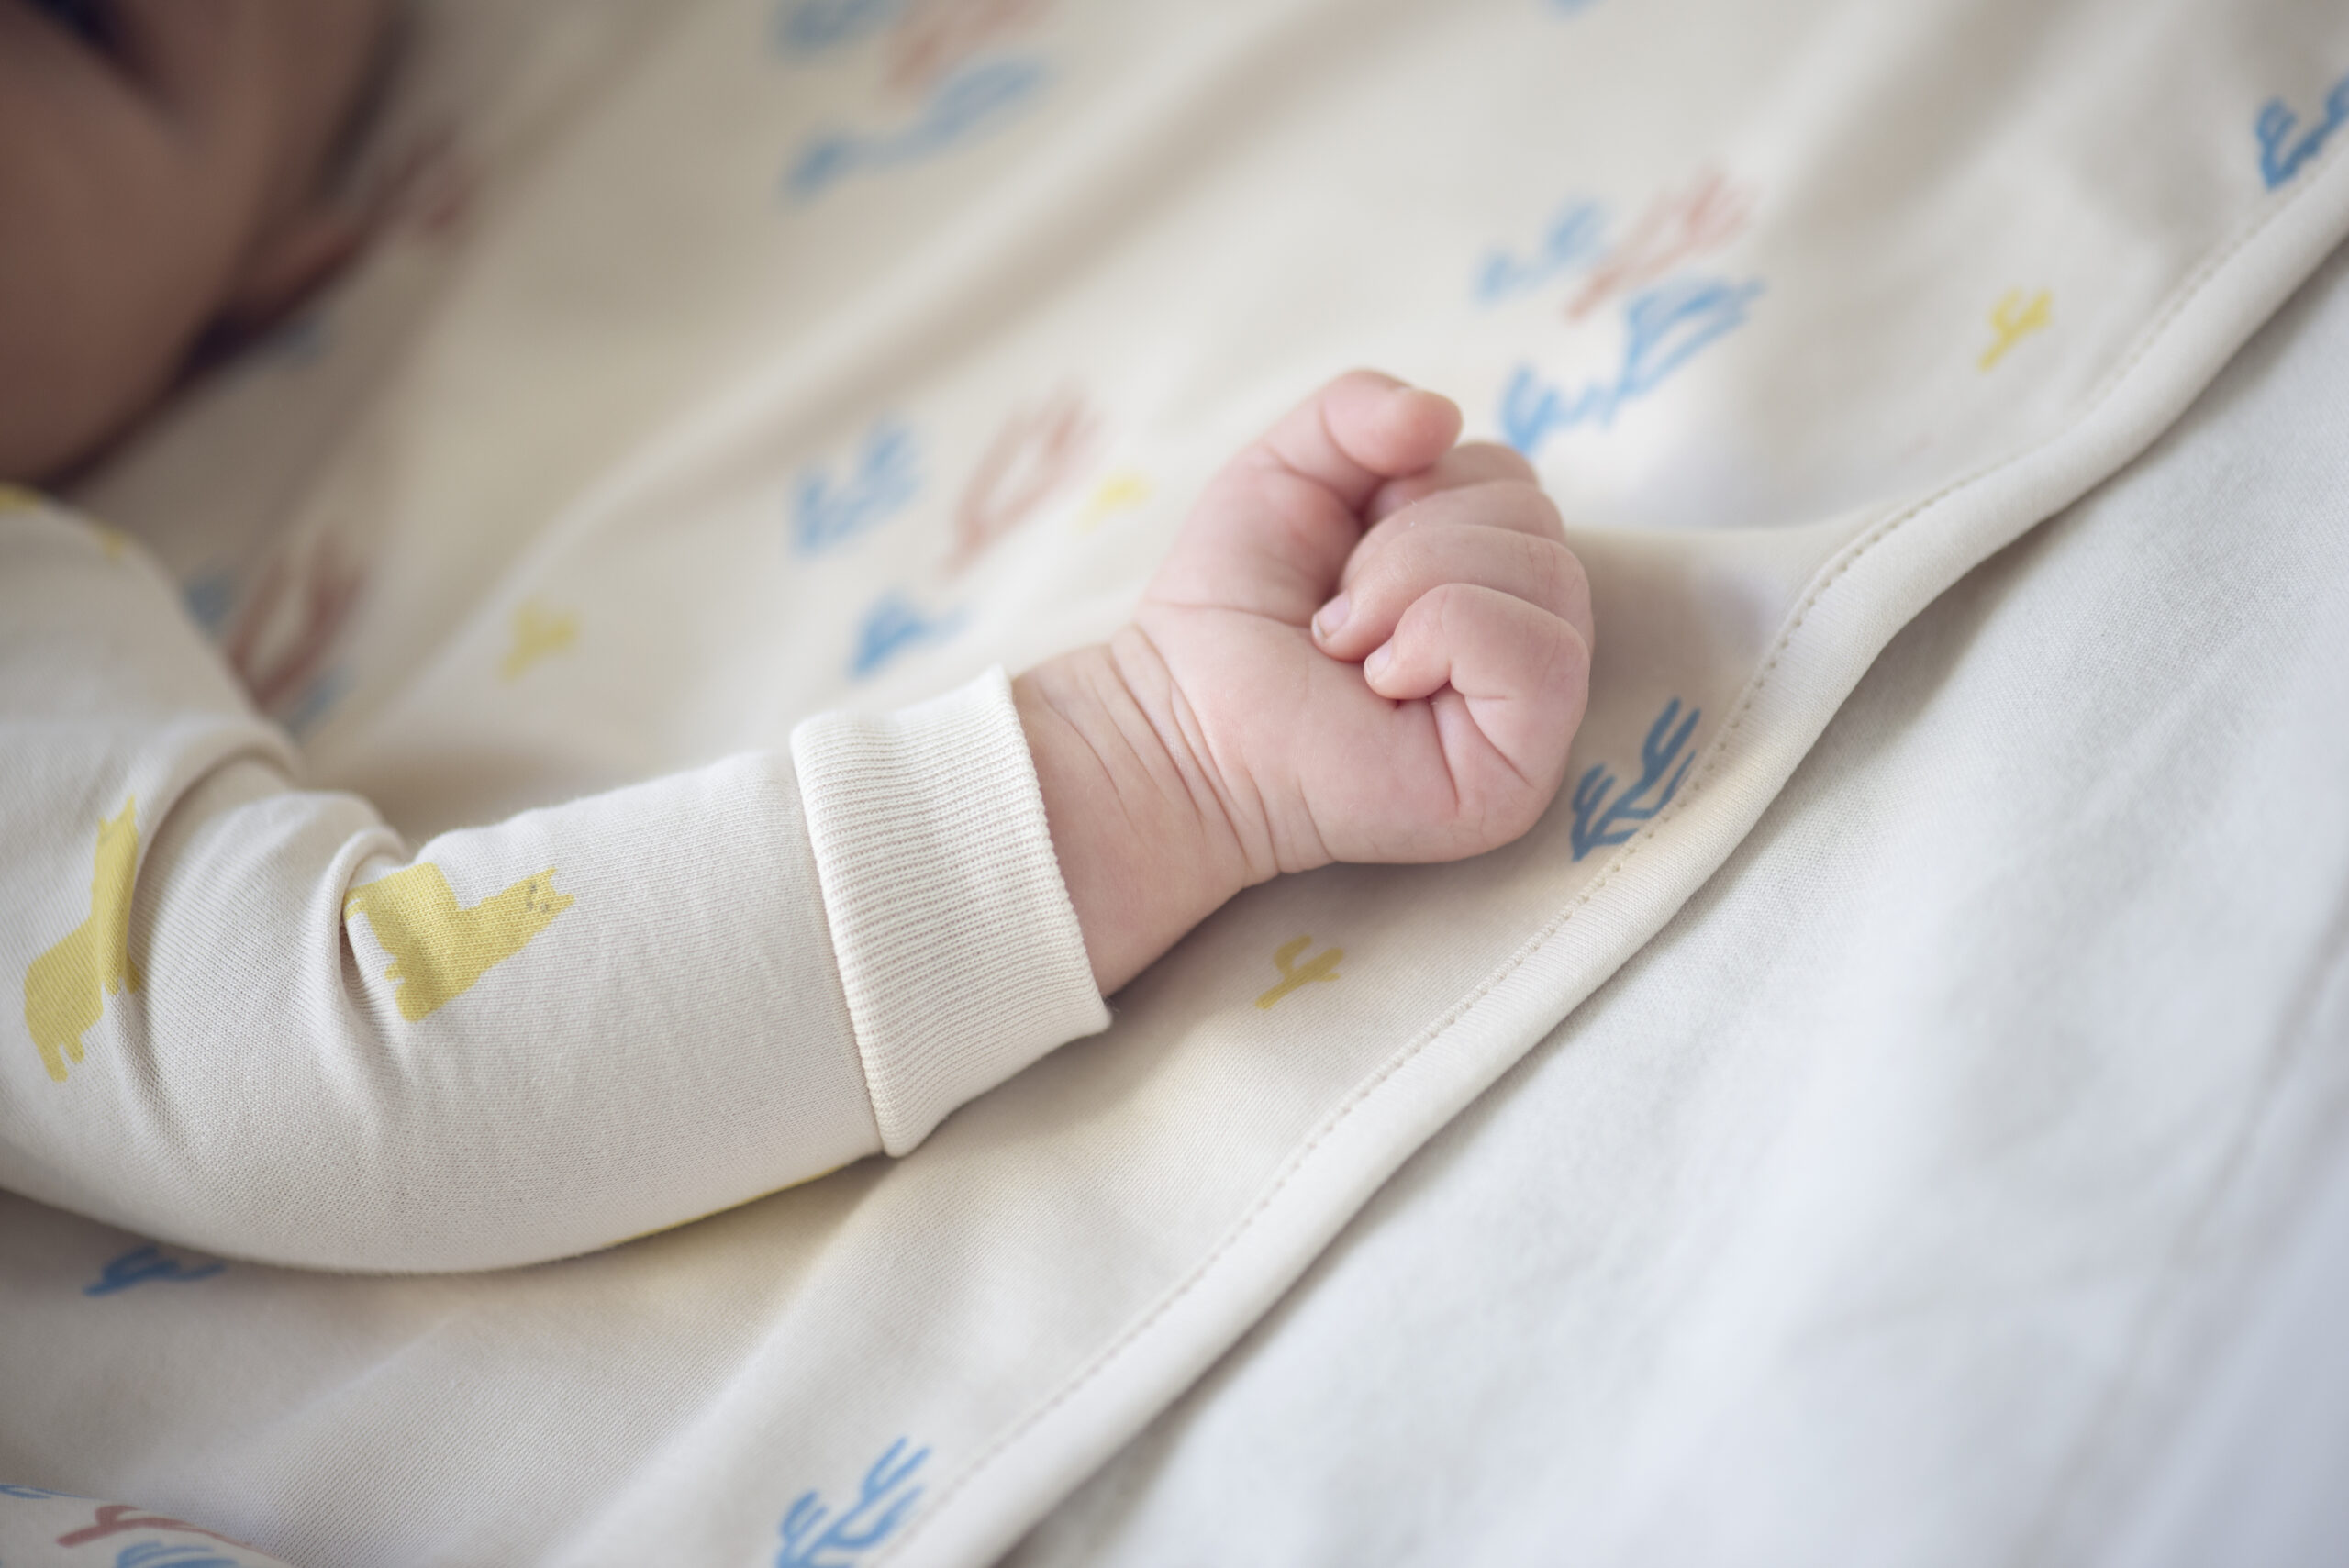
{"x": 254, "y": 1022}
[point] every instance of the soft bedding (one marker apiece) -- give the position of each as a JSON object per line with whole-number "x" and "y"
{"x": 756, "y": 360}
{"x": 1959, "y": 1177}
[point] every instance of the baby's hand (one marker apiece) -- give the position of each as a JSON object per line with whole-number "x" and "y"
{"x": 1367, "y": 644}
{"x": 1378, "y": 642}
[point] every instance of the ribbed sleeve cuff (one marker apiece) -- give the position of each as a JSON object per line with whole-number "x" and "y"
{"x": 959, "y": 950}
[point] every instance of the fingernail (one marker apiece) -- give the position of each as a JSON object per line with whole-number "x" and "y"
{"x": 1380, "y": 657}
{"x": 1331, "y": 619}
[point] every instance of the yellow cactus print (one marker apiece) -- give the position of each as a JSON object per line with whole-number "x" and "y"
{"x": 16, "y": 498}
{"x": 538, "y": 632}
{"x": 1294, "y": 976}
{"x": 1120, "y": 491}
{"x": 438, "y": 949}
{"x": 2013, "y": 320}
{"x": 66, "y": 987}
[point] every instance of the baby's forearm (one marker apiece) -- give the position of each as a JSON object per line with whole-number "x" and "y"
{"x": 1145, "y": 844}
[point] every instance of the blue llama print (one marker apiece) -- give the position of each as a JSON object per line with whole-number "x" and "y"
{"x": 811, "y": 27}
{"x": 1601, "y": 822}
{"x": 825, "y": 514}
{"x": 893, "y": 625}
{"x": 2280, "y": 157}
{"x": 883, "y": 1501}
{"x": 968, "y": 104}
{"x": 1576, "y": 237}
{"x": 1664, "y": 328}
{"x": 33, "y": 1494}
{"x": 143, "y": 1264}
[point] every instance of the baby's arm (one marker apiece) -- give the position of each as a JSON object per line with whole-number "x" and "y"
{"x": 1368, "y": 644}
{"x": 255, "y": 1022}
{"x": 249, "y": 1018}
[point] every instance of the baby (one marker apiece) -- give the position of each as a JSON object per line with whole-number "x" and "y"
{"x": 261, "y": 1024}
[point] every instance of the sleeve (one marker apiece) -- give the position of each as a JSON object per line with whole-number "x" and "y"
{"x": 255, "y": 1024}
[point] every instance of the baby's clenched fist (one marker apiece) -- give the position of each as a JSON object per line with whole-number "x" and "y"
{"x": 1367, "y": 644}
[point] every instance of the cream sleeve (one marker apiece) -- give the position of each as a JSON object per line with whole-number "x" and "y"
{"x": 255, "y": 1023}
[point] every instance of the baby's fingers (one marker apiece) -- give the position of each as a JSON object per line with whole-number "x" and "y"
{"x": 1470, "y": 463}
{"x": 1395, "y": 570}
{"x": 1274, "y": 527}
{"x": 1522, "y": 673}
{"x": 1356, "y": 433}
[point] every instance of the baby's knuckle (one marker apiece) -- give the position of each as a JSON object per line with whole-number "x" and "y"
{"x": 1542, "y": 510}
{"x": 1463, "y": 607}
{"x": 1577, "y": 574}
{"x": 1423, "y": 621}
{"x": 1410, "y": 557}
{"x": 1565, "y": 668}
{"x": 1560, "y": 573}
{"x": 1389, "y": 568}
{"x": 1494, "y": 456}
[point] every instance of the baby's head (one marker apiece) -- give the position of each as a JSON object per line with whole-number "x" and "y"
{"x": 159, "y": 167}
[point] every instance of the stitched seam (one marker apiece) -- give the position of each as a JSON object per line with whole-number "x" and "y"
{"x": 2184, "y": 294}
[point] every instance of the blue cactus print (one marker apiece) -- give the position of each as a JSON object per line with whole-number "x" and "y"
{"x": 1601, "y": 822}
{"x": 893, "y": 625}
{"x": 167, "y": 1554}
{"x": 813, "y": 1538}
{"x": 968, "y": 104}
{"x": 1576, "y": 237}
{"x": 33, "y": 1494}
{"x": 2280, "y": 156}
{"x": 811, "y": 27}
{"x": 317, "y": 699}
{"x": 209, "y": 599}
{"x": 1663, "y": 329}
{"x": 825, "y": 514}
{"x": 1667, "y": 323}
{"x": 143, "y": 1264}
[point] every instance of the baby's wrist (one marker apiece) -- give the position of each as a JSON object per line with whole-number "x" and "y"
{"x": 1146, "y": 850}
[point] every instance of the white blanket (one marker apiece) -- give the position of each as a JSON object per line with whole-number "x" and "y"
{"x": 1960, "y": 1178}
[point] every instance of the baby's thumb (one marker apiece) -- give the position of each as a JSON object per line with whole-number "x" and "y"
{"x": 1360, "y": 431}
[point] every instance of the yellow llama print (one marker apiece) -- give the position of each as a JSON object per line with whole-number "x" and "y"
{"x": 66, "y": 988}
{"x": 438, "y": 949}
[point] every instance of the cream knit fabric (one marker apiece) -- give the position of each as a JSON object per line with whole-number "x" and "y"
{"x": 259, "y": 1025}
{"x": 962, "y": 957}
